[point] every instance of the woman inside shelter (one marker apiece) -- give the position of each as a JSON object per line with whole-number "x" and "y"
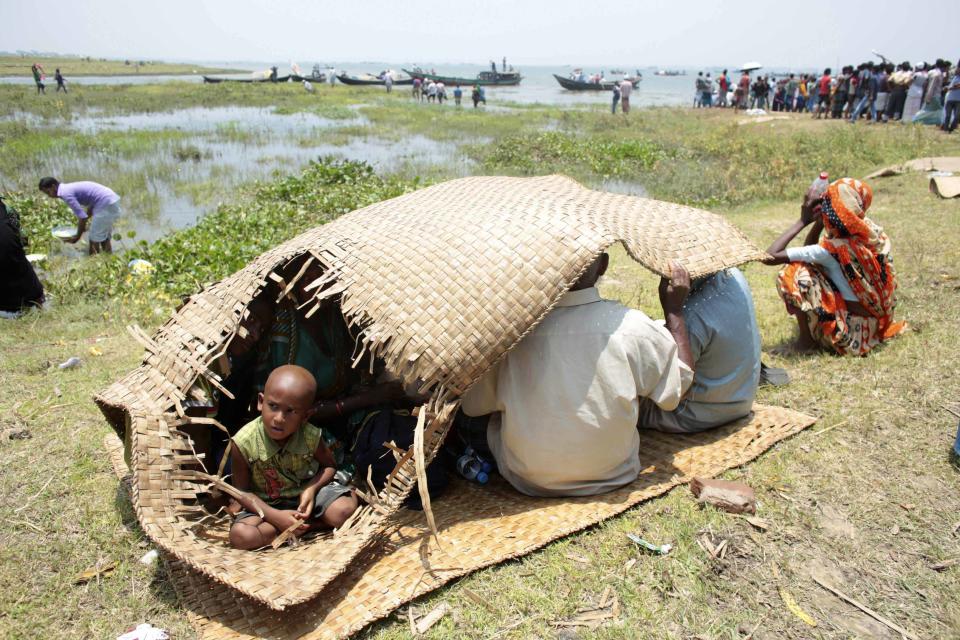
{"x": 323, "y": 345}
{"x": 841, "y": 288}
{"x": 236, "y": 370}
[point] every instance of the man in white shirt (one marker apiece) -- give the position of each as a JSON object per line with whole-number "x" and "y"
{"x": 626, "y": 88}
{"x": 567, "y": 396}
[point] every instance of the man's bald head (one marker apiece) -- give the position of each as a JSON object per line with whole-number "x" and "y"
{"x": 293, "y": 382}
{"x": 596, "y": 269}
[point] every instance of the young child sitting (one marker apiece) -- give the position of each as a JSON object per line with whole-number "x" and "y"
{"x": 282, "y": 460}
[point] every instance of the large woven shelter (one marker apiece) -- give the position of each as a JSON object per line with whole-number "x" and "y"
{"x": 440, "y": 284}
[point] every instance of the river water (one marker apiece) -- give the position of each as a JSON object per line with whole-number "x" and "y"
{"x": 538, "y": 84}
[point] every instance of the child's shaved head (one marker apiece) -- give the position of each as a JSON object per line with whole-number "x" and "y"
{"x": 287, "y": 401}
{"x": 293, "y": 382}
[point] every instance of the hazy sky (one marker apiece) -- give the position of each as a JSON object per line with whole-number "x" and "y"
{"x": 624, "y": 32}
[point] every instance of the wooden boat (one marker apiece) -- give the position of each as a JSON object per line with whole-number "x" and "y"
{"x": 370, "y": 79}
{"x": 485, "y": 78}
{"x": 215, "y": 80}
{"x": 320, "y": 78}
{"x": 575, "y": 85}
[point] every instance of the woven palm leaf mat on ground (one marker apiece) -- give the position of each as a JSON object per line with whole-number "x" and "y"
{"x": 479, "y": 526}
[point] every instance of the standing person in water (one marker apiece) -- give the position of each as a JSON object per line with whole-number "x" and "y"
{"x": 93, "y": 204}
{"x": 616, "y": 97}
{"x": 626, "y": 87}
{"x": 37, "y": 71}
{"x": 61, "y": 83}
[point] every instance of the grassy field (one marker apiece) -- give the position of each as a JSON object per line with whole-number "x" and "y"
{"x": 867, "y": 498}
{"x": 12, "y": 65}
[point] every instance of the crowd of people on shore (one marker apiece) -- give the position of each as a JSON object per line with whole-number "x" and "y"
{"x": 430, "y": 91}
{"x": 928, "y": 93}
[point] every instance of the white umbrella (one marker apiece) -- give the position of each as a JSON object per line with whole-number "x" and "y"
{"x": 751, "y": 66}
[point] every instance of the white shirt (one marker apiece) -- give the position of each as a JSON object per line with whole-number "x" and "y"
{"x": 568, "y": 396}
{"x": 625, "y": 88}
{"x": 815, "y": 254}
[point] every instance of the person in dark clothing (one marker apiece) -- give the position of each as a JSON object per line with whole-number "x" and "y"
{"x": 61, "y": 83}
{"x": 899, "y": 82}
{"x": 19, "y": 287}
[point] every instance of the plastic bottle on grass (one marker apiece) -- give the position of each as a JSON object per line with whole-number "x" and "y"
{"x": 69, "y": 363}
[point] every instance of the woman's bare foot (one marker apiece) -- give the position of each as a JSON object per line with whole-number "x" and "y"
{"x": 794, "y": 348}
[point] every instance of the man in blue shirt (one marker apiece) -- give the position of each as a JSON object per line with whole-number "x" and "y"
{"x": 866, "y": 93}
{"x": 91, "y": 203}
{"x": 725, "y": 343}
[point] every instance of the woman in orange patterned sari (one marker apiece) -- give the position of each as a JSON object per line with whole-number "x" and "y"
{"x": 841, "y": 288}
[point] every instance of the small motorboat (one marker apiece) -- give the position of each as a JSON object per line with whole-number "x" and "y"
{"x": 576, "y": 85}
{"x": 371, "y": 79}
{"x": 485, "y": 78}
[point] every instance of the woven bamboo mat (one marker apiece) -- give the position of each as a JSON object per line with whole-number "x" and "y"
{"x": 479, "y": 527}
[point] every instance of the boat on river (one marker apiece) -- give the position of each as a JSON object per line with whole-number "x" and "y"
{"x": 576, "y": 85}
{"x": 371, "y": 79}
{"x": 485, "y": 78}
{"x": 216, "y": 80}
{"x": 317, "y": 77}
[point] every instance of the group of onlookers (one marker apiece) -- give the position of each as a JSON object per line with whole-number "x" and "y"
{"x": 928, "y": 93}
{"x": 425, "y": 89}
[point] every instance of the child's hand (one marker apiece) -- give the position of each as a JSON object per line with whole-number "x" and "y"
{"x": 307, "y": 496}
{"x": 289, "y": 518}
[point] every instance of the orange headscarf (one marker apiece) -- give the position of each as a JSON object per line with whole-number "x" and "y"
{"x": 862, "y": 249}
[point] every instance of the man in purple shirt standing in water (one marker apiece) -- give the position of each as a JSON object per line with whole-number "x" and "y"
{"x": 101, "y": 204}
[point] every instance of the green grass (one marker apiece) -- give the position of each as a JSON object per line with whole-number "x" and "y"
{"x": 707, "y": 157}
{"x": 87, "y": 66}
{"x": 118, "y": 99}
{"x": 833, "y": 497}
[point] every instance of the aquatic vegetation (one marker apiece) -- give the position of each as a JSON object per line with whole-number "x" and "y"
{"x": 116, "y": 99}
{"x": 559, "y": 152}
{"x": 325, "y": 110}
{"x": 188, "y": 152}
